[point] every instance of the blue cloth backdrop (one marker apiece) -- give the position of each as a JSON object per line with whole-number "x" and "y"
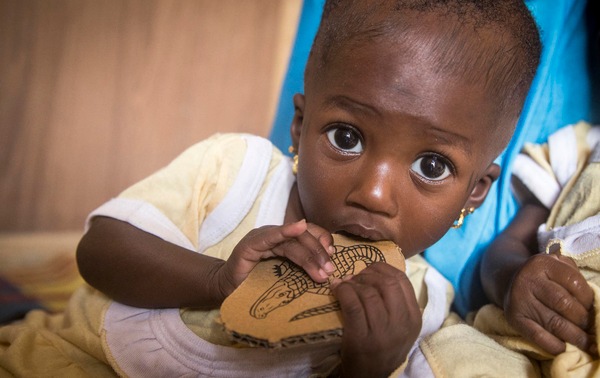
{"x": 560, "y": 95}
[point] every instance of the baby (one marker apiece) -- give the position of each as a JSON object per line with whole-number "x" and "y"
{"x": 406, "y": 106}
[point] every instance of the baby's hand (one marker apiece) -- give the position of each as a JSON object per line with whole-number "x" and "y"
{"x": 550, "y": 303}
{"x": 381, "y": 320}
{"x": 307, "y": 245}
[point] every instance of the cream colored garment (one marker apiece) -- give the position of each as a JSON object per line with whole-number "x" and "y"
{"x": 62, "y": 345}
{"x": 227, "y": 225}
{"x": 490, "y": 347}
{"x": 78, "y": 342}
{"x": 71, "y": 344}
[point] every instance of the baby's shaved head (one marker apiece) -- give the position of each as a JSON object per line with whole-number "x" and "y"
{"x": 504, "y": 68}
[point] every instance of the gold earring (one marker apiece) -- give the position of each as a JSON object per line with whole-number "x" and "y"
{"x": 461, "y": 217}
{"x": 295, "y": 165}
{"x": 292, "y": 150}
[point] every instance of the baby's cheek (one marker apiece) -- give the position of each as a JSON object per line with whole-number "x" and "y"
{"x": 419, "y": 234}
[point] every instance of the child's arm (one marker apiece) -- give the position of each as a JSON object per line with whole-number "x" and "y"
{"x": 142, "y": 270}
{"x": 544, "y": 296}
{"x": 381, "y": 319}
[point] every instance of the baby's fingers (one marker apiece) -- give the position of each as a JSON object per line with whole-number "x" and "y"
{"x": 569, "y": 332}
{"x": 394, "y": 287}
{"x": 534, "y": 332}
{"x": 556, "y": 331}
{"x": 309, "y": 253}
{"x": 381, "y": 317}
{"x": 381, "y": 297}
{"x": 572, "y": 280}
{"x": 323, "y": 236}
{"x": 568, "y": 307}
{"x": 353, "y": 312}
{"x": 265, "y": 238}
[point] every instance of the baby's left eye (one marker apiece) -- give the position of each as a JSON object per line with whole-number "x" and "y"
{"x": 432, "y": 167}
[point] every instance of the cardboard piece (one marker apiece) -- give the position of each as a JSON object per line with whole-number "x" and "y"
{"x": 280, "y": 305}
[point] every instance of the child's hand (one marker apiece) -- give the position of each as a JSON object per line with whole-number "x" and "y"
{"x": 381, "y": 320}
{"x": 550, "y": 303}
{"x": 307, "y": 245}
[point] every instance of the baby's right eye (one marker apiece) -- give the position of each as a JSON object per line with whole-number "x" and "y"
{"x": 346, "y": 139}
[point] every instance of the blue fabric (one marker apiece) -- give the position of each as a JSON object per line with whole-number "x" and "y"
{"x": 560, "y": 95}
{"x": 294, "y": 80}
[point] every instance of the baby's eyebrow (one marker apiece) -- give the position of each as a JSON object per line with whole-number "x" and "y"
{"x": 449, "y": 138}
{"x": 349, "y": 105}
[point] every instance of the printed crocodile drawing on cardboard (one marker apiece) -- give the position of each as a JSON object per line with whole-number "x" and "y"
{"x": 294, "y": 282}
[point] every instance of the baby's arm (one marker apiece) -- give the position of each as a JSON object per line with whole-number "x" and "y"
{"x": 139, "y": 269}
{"x": 381, "y": 320}
{"x": 142, "y": 270}
{"x": 544, "y": 296}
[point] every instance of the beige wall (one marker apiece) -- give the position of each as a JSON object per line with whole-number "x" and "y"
{"x": 95, "y": 95}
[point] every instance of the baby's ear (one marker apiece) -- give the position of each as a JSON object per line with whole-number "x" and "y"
{"x": 296, "y": 128}
{"x": 482, "y": 187}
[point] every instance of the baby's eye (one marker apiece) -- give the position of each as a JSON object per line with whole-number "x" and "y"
{"x": 432, "y": 167}
{"x": 346, "y": 139}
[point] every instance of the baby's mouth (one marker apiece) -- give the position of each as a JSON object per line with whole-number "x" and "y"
{"x": 360, "y": 233}
{"x": 352, "y": 236}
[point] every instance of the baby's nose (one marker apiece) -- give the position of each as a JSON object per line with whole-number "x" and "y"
{"x": 374, "y": 190}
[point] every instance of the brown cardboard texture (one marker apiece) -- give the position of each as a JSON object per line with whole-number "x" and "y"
{"x": 280, "y": 305}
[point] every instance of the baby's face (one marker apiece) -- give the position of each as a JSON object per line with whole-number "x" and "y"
{"x": 390, "y": 150}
